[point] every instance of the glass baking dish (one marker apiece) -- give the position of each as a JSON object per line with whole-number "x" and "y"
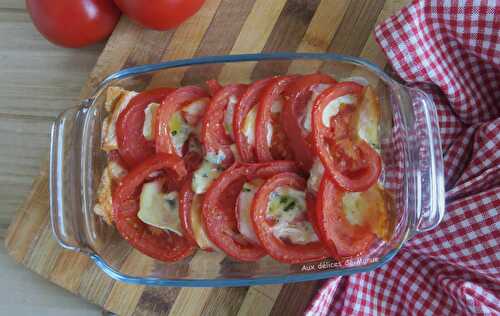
{"x": 410, "y": 150}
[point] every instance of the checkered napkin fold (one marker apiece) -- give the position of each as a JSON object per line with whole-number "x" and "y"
{"x": 450, "y": 49}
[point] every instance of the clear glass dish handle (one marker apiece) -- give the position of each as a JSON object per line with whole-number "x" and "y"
{"x": 428, "y": 155}
{"x": 64, "y": 178}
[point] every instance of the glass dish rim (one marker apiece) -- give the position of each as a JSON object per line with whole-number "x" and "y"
{"x": 225, "y": 282}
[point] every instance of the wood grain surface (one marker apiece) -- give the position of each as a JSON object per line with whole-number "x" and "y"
{"x": 220, "y": 27}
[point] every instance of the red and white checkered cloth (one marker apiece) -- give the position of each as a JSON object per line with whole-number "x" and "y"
{"x": 451, "y": 49}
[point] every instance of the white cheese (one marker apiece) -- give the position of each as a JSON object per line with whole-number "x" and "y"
{"x": 245, "y": 199}
{"x": 200, "y": 236}
{"x": 288, "y": 207}
{"x": 196, "y": 107}
{"x": 354, "y": 207}
{"x": 235, "y": 152}
{"x": 179, "y": 131}
{"x": 109, "y": 139}
{"x": 249, "y": 125}
{"x": 149, "y": 114}
{"x": 333, "y": 107}
{"x": 315, "y": 175}
{"x": 103, "y": 206}
{"x": 316, "y": 91}
{"x": 159, "y": 209}
{"x": 269, "y": 134}
{"x": 369, "y": 118}
{"x": 277, "y": 105}
{"x": 112, "y": 95}
{"x": 215, "y": 157}
{"x": 228, "y": 115}
{"x": 204, "y": 176}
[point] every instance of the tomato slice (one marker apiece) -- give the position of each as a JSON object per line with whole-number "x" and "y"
{"x": 171, "y": 104}
{"x": 352, "y": 163}
{"x": 186, "y": 195}
{"x": 264, "y": 122}
{"x": 132, "y": 145}
{"x": 219, "y": 204}
{"x": 153, "y": 242}
{"x": 213, "y": 86}
{"x": 296, "y": 96}
{"x": 275, "y": 247}
{"x": 213, "y": 135}
{"x": 248, "y": 100}
{"x": 342, "y": 238}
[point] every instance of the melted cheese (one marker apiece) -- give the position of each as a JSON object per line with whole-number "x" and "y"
{"x": 245, "y": 199}
{"x": 109, "y": 134}
{"x": 277, "y": 105}
{"x": 103, "y": 206}
{"x": 204, "y": 176}
{"x": 333, "y": 107}
{"x": 288, "y": 207}
{"x": 149, "y": 114}
{"x": 159, "y": 209}
{"x": 269, "y": 134}
{"x": 368, "y": 208}
{"x": 199, "y": 233}
{"x": 228, "y": 115}
{"x": 316, "y": 91}
{"x": 179, "y": 131}
{"x": 369, "y": 118}
{"x": 196, "y": 107}
{"x": 249, "y": 125}
{"x": 315, "y": 175}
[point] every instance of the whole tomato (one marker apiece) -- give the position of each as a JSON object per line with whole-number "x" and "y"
{"x": 159, "y": 14}
{"x": 74, "y": 23}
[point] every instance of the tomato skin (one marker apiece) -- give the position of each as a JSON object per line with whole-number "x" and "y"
{"x": 296, "y": 96}
{"x": 213, "y": 86}
{"x": 171, "y": 104}
{"x": 218, "y": 212}
{"x": 159, "y": 14}
{"x": 361, "y": 181}
{"x": 132, "y": 145}
{"x": 152, "y": 242}
{"x": 213, "y": 135}
{"x": 272, "y": 91}
{"x": 247, "y": 102}
{"x": 338, "y": 235}
{"x": 186, "y": 195}
{"x": 275, "y": 247}
{"x": 74, "y": 23}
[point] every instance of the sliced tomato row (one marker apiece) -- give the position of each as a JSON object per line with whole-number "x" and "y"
{"x": 269, "y": 131}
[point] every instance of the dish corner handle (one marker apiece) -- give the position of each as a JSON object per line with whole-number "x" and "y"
{"x": 430, "y": 170}
{"x": 64, "y": 170}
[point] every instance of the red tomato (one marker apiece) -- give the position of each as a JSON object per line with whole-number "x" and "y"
{"x": 132, "y": 145}
{"x": 296, "y": 97}
{"x": 275, "y": 247}
{"x": 159, "y": 14}
{"x": 213, "y": 86}
{"x": 153, "y": 242}
{"x": 264, "y": 122}
{"x": 219, "y": 204}
{"x": 247, "y": 102}
{"x": 352, "y": 163}
{"x": 311, "y": 210}
{"x": 342, "y": 238}
{"x": 213, "y": 134}
{"x": 171, "y": 104}
{"x": 74, "y": 23}
{"x": 186, "y": 195}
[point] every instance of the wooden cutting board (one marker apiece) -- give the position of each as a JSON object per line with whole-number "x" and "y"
{"x": 220, "y": 27}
